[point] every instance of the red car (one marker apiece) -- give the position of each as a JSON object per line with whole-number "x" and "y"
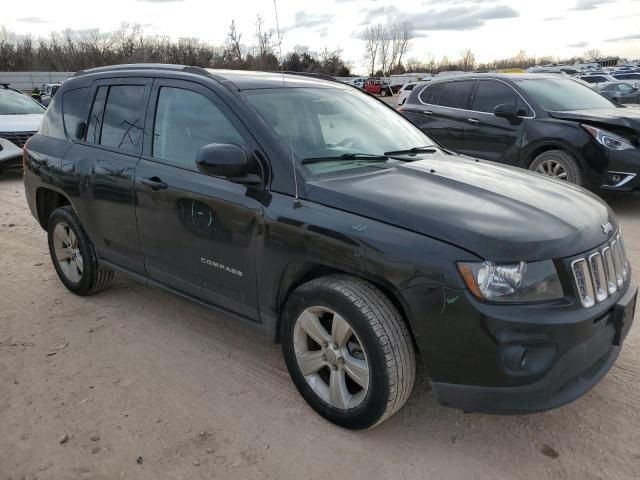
{"x": 377, "y": 87}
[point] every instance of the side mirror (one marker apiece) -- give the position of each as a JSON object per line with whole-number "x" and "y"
{"x": 506, "y": 110}
{"x": 223, "y": 160}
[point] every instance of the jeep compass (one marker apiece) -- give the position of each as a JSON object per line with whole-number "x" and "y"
{"x": 321, "y": 217}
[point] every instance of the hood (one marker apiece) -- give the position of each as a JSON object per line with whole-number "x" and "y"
{"x": 621, "y": 117}
{"x": 20, "y": 123}
{"x": 496, "y": 212}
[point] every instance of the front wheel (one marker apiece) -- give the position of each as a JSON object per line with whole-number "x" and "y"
{"x": 73, "y": 254}
{"x": 557, "y": 164}
{"x": 348, "y": 350}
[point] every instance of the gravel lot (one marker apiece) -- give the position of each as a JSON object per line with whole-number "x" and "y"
{"x": 136, "y": 383}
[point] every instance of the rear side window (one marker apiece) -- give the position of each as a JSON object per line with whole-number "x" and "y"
{"x": 97, "y": 111}
{"x": 123, "y": 121}
{"x": 186, "y": 121}
{"x": 490, "y": 94}
{"x": 74, "y": 109}
{"x": 456, "y": 94}
{"x": 409, "y": 86}
{"x": 431, "y": 94}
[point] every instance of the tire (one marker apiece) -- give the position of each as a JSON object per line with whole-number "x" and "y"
{"x": 383, "y": 92}
{"x": 568, "y": 168}
{"x": 80, "y": 272}
{"x": 378, "y": 339}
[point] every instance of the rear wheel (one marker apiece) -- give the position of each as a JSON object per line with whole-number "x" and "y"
{"x": 73, "y": 254}
{"x": 383, "y": 92}
{"x": 348, "y": 350}
{"x": 559, "y": 165}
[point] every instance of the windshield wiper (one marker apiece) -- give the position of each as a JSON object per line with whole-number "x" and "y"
{"x": 413, "y": 151}
{"x": 348, "y": 156}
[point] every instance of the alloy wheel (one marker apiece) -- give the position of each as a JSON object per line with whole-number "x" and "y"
{"x": 67, "y": 251}
{"x": 331, "y": 357}
{"x": 554, "y": 169}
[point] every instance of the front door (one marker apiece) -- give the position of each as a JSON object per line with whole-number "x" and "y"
{"x": 198, "y": 232}
{"x": 490, "y": 137}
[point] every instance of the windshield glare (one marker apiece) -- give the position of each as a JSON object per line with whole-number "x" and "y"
{"x": 330, "y": 122}
{"x": 561, "y": 94}
{"x": 14, "y": 103}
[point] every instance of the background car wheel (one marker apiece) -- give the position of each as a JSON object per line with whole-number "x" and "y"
{"x": 73, "y": 254}
{"x": 559, "y": 165}
{"x": 348, "y": 350}
{"x": 383, "y": 93}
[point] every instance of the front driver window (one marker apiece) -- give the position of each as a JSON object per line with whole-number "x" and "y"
{"x": 186, "y": 121}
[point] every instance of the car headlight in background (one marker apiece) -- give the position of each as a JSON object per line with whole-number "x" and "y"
{"x": 608, "y": 140}
{"x": 512, "y": 282}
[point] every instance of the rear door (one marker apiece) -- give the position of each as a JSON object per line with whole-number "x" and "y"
{"x": 490, "y": 137}
{"x": 103, "y": 165}
{"x": 198, "y": 232}
{"x": 445, "y": 112}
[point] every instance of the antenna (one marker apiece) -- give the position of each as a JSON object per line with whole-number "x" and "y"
{"x": 296, "y": 202}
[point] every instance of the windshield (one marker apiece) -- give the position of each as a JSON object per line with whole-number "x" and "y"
{"x": 331, "y": 122}
{"x": 14, "y": 103}
{"x": 561, "y": 94}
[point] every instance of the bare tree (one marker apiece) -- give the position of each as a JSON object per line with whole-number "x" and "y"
{"x": 401, "y": 35}
{"x": 592, "y": 54}
{"x": 233, "y": 51}
{"x": 386, "y": 53}
{"x": 372, "y": 36}
{"x": 263, "y": 38}
{"x": 467, "y": 60}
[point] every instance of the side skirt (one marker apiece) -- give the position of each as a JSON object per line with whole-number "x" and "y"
{"x": 266, "y": 329}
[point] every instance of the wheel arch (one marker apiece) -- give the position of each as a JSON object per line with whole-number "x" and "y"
{"x": 300, "y": 273}
{"x": 534, "y": 151}
{"x": 48, "y": 200}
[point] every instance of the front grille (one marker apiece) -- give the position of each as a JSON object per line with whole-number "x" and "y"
{"x": 601, "y": 272}
{"x": 17, "y": 138}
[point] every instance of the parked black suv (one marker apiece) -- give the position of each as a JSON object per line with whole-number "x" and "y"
{"x": 546, "y": 123}
{"x": 318, "y": 215}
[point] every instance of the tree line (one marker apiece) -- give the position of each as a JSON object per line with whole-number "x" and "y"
{"x": 73, "y": 50}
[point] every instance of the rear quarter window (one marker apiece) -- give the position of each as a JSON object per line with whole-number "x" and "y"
{"x": 51, "y": 125}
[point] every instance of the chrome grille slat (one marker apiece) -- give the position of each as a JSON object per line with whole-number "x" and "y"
{"x": 598, "y": 276}
{"x": 601, "y": 272}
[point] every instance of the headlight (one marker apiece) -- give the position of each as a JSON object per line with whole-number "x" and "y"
{"x": 608, "y": 140}
{"x": 512, "y": 282}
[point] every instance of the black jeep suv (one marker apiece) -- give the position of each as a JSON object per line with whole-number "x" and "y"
{"x": 550, "y": 124}
{"x": 323, "y": 218}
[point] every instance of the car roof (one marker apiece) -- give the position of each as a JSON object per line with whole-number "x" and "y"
{"x": 238, "y": 79}
{"x": 496, "y": 76}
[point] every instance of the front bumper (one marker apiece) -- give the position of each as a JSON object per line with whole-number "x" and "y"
{"x": 623, "y": 171}
{"x": 10, "y": 154}
{"x": 467, "y": 351}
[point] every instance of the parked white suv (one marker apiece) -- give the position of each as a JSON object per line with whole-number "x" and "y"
{"x": 20, "y": 118}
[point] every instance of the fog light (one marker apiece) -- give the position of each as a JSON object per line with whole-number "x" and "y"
{"x": 528, "y": 359}
{"x": 618, "y": 179}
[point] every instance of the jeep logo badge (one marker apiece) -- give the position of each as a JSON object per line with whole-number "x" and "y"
{"x": 607, "y": 228}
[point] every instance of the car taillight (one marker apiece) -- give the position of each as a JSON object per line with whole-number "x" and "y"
{"x": 24, "y": 157}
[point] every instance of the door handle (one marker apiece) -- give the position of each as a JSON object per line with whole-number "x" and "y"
{"x": 154, "y": 183}
{"x": 427, "y": 112}
{"x": 473, "y": 120}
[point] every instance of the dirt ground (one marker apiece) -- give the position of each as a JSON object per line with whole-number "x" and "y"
{"x": 136, "y": 383}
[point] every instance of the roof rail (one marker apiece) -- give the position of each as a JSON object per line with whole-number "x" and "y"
{"x": 133, "y": 66}
{"x": 319, "y": 76}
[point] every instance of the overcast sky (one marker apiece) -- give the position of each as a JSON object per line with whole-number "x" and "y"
{"x": 490, "y": 28}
